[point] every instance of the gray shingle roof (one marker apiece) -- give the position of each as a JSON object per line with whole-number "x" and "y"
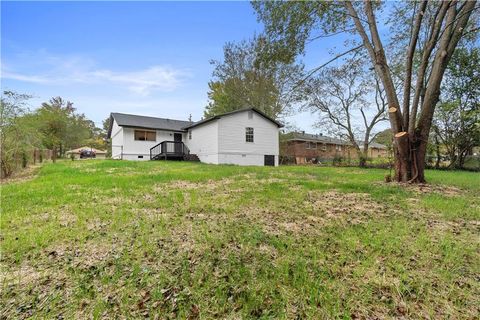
{"x": 317, "y": 138}
{"x": 195, "y": 124}
{"x": 300, "y": 136}
{"x": 377, "y": 145}
{"x": 130, "y": 120}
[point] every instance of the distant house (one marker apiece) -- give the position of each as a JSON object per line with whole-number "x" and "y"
{"x": 376, "y": 150}
{"x": 99, "y": 154}
{"x": 304, "y": 148}
{"x": 242, "y": 137}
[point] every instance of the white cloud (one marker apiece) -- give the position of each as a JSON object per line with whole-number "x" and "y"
{"x": 76, "y": 70}
{"x": 24, "y": 78}
{"x": 143, "y": 81}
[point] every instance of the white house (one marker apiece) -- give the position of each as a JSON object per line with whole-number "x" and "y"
{"x": 243, "y": 137}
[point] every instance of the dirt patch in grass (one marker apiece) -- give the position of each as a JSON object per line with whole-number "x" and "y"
{"x": 344, "y": 208}
{"x": 67, "y": 218}
{"x": 28, "y": 289}
{"x": 152, "y": 213}
{"x": 456, "y": 226}
{"x": 321, "y": 209}
{"x": 33, "y": 285}
{"x": 24, "y": 175}
{"x": 447, "y": 191}
{"x": 116, "y": 200}
{"x": 184, "y": 185}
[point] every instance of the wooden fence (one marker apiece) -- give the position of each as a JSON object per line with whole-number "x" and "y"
{"x": 21, "y": 160}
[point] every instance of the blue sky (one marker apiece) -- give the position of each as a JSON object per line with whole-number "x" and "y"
{"x": 148, "y": 58}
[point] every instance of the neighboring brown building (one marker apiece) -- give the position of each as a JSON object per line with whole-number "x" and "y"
{"x": 307, "y": 148}
{"x": 100, "y": 154}
{"x": 377, "y": 150}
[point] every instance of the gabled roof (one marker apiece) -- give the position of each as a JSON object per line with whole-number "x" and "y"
{"x": 377, "y": 145}
{"x": 134, "y": 121}
{"x": 131, "y": 120}
{"x": 98, "y": 151}
{"x": 232, "y": 112}
{"x": 301, "y": 136}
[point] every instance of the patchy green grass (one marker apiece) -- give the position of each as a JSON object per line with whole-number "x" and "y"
{"x": 186, "y": 240}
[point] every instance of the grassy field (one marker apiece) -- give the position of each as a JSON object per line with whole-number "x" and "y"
{"x": 112, "y": 239}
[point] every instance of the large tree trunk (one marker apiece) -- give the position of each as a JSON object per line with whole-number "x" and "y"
{"x": 419, "y": 162}
{"x": 362, "y": 156}
{"x": 362, "y": 160}
{"x": 410, "y": 145}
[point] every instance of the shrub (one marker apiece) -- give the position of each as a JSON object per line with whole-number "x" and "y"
{"x": 337, "y": 160}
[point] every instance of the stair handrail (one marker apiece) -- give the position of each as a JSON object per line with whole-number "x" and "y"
{"x": 163, "y": 146}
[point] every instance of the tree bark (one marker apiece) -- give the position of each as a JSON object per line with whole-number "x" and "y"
{"x": 402, "y": 170}
{"x": 437, "y": 149}
{"x": 420, "y": 154}
{"x": 362, "y": 158}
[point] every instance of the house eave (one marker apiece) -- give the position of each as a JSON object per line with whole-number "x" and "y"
{"x": 202, "y": 122}
{"x": 150, "y": 128}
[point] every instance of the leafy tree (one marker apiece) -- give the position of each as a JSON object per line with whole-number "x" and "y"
{"x": 61, "y": 127}
{"x": 107, "y": 143}
{"x": 426, "y": 34}
{"x": 384, "y": 137}
{"x": 457, "y": 118}
{"x": 244, "y": 80}
{"x": 17, "y": 136}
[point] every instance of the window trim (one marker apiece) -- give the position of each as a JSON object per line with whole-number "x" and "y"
{"x": 249, "y": 134}
{"x": 145, "y": 135}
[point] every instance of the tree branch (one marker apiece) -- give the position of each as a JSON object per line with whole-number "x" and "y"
{"x": 427, "y": 51}
{"x": 409, "y": 63}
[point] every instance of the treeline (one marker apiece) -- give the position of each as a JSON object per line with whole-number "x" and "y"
{"x": 54, "y": 126}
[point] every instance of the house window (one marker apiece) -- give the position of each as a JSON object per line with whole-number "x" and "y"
{"x": 310, "y": 145}
{"x": 324, "y": 147}
{"x": 249, "y": 134}
{"x": 338, "y": 147}
{"x": 142, "y": 135}
{"x": 307, "y": 145}
{"x": 189, "y": 134}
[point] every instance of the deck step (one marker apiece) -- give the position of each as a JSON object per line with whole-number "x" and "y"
{"x": 191, "y": 157}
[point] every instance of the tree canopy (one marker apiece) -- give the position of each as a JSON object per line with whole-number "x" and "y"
{"x": 243, "y": 80}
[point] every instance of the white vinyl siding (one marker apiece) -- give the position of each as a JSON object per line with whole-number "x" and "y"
{"x": 232, "y": 145}
{"x": 132, "y": 148}
{"x": 204, "y": 142}
{"x": 117, "y": 140}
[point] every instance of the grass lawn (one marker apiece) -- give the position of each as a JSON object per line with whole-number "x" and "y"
{"x": 183, "y": 240}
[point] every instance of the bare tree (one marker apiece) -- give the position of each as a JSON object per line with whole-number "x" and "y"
{"x": 342, "y": 96}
